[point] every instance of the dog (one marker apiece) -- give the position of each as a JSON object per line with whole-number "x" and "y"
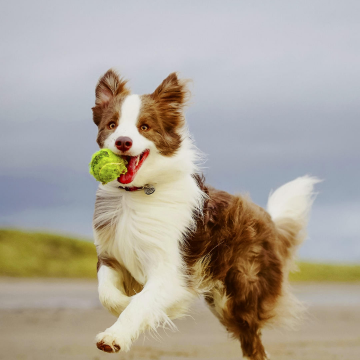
{"x": 164, "y": 237}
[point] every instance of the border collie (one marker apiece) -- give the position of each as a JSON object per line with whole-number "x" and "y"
{"x": 164, "y": 237}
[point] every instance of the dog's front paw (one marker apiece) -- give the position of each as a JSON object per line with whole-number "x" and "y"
{"x": 111, "y": 342}
{"x": 107, "y": 342}
{"x": 113, "y": 299}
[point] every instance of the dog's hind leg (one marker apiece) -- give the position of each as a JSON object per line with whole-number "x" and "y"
{"x": 243, "y": 304}
{"x": 251, "y": 344}
{"x": 239, "y": 322}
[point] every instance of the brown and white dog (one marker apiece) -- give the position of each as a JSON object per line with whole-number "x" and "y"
{"x": 158, "y": 251}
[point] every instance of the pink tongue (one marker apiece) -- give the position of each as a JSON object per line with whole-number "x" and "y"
{"x": 128, "y": 177}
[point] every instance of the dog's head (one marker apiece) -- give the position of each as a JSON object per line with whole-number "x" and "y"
{"x": 147, "y": 130}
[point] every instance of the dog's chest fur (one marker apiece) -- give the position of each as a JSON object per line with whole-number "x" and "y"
{"x": 140, "y": 231}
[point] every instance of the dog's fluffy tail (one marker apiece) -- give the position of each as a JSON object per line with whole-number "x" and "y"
{"x": 293, "y": 200}
{"x": 289, "y": 207}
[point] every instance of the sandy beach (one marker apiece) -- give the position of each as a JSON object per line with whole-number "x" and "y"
{"x": 58, "y": 319}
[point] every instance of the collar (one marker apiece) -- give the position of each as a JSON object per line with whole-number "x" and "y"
{"x": 148, "y": 189}
{"x": 133, "y": 188}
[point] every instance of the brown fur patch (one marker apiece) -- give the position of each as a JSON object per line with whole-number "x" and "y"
{"x": 245, "y": 254}
{"x": 109, "y": 86}
{"x": 110, "y": 93}
{"x": 167, "y": 142}
{"x": 162, "y": 111}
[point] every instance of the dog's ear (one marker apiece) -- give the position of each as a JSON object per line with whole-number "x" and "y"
{"x": 172, "y": 91}
{"x": 109, "y": 86}
{"x": 171, "y": 96}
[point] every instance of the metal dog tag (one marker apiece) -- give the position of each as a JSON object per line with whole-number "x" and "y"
{"x": 149, "y": 189}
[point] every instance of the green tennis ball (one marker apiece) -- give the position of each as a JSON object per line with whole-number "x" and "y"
{"x": 106, "y": 166}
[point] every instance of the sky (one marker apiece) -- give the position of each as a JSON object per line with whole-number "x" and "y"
{"x": 275, "y": 95}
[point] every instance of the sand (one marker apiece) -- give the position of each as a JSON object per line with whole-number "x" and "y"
{"x": 56, "y": 319}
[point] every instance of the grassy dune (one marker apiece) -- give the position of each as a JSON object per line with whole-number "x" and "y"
{"x": 326, "y": 272}
{"x": 27, "y": 254}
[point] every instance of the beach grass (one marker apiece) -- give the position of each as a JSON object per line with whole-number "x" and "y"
{"x": 326, "y": 272}
{"x": 31, "y": 254}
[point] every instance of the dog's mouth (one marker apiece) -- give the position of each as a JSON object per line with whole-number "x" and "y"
{"x": 133, "y": 166}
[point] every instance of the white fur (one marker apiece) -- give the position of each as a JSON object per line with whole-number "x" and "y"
{"x": 145, "y": 234}
{"x": 129, "y": 114}
{"x": 111, "y": 290}
{"x": 293, "y": 200}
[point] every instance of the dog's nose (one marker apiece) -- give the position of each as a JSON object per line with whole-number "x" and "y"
{"x": 123, "y": 143}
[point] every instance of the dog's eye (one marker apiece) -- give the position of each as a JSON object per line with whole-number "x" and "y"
{"x": 144, "y": 127}
{"x": 111, "y": 125}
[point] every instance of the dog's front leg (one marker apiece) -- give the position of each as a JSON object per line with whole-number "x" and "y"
{"x": 147, "y": 309}
{"x": 111, "y": 289}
